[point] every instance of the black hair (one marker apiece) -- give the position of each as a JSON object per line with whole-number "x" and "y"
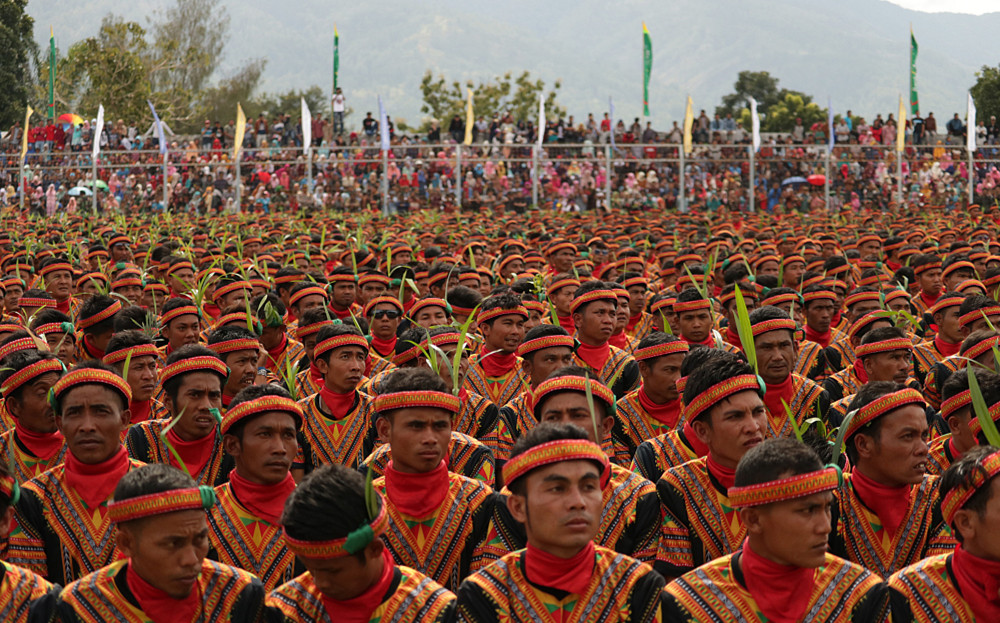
{"x": 173, "y": 385}
{"x": 20, "y": 360}
{"x": 542, "y": 330}
{"x": 462, "y": 296}
{"x": 689, "y": 294}
{"x": 92, "y": 306}
{"x": 958, "y": 382}
{"x": 768, "y": 312}
{"x": 150, "y": 479}
{"x": 500, "y": 301}
{"x": 314, "y": 316}
{"x": 134, "y": 317}
{"x": 48, "y": 315}
{"x": 964, "y": 473}
{"x": 254, "y": 392}
{"x": 288, "y": 271}
{"x": 735, "y": 273}
{"x": 869, "y": 392}
{"x": 769, "y": 282}
{"x": 231, "y": 332}
{"x": 705, "y": 376}
{"x": 333, "y": 330}
{"x": 590, "y": 286}
{"x": 773, "y": 459}
{"x": 409, "y": 338}
{"x": 699, "y": 357}
{"x": 974, "y": 302}
{"x": 543, "y": 432}
{"x": 259, "y": 302}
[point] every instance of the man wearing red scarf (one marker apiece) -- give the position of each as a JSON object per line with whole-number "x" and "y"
{"x": 332, "y": 523}
{"x": 344, "y": 291}
{"x": 969, "y": 577}
{"x": 495, "y": 372}
{"x": 888, "y": 515}
{"x": 927, "y": 269}
{"x": 337, "y": 426}
{"x": 96, "y": 320}
{"x": 428, "y": 505}
{"x": 884, "y": 354}
{"x": 728, "y": 300}
{"x": 164, "y": 576}
{"x": 180, "y": 325}
{"x": 545, "y": 349}
{"x": 640, "y": 322}
{"x": 192, "y": 382}
{"x": 58, "y": 275}
{"x": 239, "y": 349}
{"x": 594, "y": 313}
{"x": 143, "y": 370}
{"x": 304, "y": 296}
{"x": 631, "y": 520}
{"x": 620, "y": 338}
{"x": 787, "y": 392}
{"x": 63, "y": 529}
{"x": 783, "y": 570}
{"x": 35, "y": 444}
{"x": 384, "y": 313}
{"x": 722, "y": 402}
{"x": 820, "y": 304}
{"x": 560, "y": 292}
{"x": 653, "y": 409}
{"x": 308, "y": 379}
{"x": 282, "y": 352}
{"x": 946, "y": 314}
{"x": 557, "y": 479}
{"x": 260, "y": 433}
{"x": 957, "y": 413}
{"x": 860, "y": 302}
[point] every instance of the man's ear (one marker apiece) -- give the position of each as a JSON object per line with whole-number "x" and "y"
{"x": 518, "y": 507}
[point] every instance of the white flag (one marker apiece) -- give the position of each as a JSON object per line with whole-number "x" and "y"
{"x": 98, "y": 130}
{"x": 541, "y": 118}
{"x": 307, "y": 129}
{"x": 383, "y": 125}
{"x": 970, "y": 128}
{"x": 755, "y": 124}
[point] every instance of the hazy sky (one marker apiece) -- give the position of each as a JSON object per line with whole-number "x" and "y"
{"x": 976, "y": 7}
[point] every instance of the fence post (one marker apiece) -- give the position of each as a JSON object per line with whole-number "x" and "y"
{"x": 534, "y": 176}
{"x": 753, "y": 173}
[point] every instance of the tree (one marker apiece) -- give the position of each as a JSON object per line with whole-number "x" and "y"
{"x": 986, "y": 92}
{"x": 782, "y": 115}
{"x": 289, "y": 103}
{"x": 760, "y": 85}
{"x": 219, "y": 102}
{"x": 19, "y": 56}
{"x": 518, "y": 96}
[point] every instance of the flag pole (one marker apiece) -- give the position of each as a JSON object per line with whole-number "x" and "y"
{"x": 826, "y": 182}
{"x": 458, "y": 175}
{"x": 385, "y": 182}
{"x": 239, "y": 183}
{"x": 534, "y": 175}
{"x": 607, "y": 177}
{"x": 165, "y": 189}
{"x": 752, "y": 180}
{"x": 93, "y": 179}
{"x": 682, "y": 202}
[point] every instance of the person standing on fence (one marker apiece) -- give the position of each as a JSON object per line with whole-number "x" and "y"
{"x": 339, "y": 106}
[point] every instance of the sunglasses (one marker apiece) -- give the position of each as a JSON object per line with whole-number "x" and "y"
{"x": 391, "y": 314}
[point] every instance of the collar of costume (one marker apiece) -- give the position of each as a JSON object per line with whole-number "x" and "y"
{"x": 202, "y": 363}
{"x": 570, "y": 575}
{"x": 264, "y": 501}
{"x": 725, "y": 475}
{"x": 594, "y": 356}
{"x": 95, "y": 483}
{"x": 192, "y": 498}
{"x": 720, "y": 391}
{"x": 405, "y": 400}
{"x": 416, "y": 495}
{"x": 360, "y": 609}
{"x": 784, "y": 489}
{"x": 257, "y": 406}
{"x": 945, "y": 347}
{"x": 497, "y": 363}
{"x": 978, "y": 582}
{"x": 881, "y": 406}
{"x": 131, "y": 352}
{"x": 357, "y": 540}
{"x": 338, "y": 404}
{"x": 955, "y": 499}
{"x": 556, "y": 452}
{"x": 889, "y": 503}
{"x": 667, "y": 413}
{"x": 158, "y": 605}
{"x": 29, "y": 373}
{"x": 823, "y": 339}
{"x": 42, "y": 446}
{"x": 384, "y": 348}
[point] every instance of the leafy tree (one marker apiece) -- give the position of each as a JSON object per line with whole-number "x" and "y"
{"x": 519, "y": 96}
{"x": 19, "y": 56}
{"x": 760, "y": 85}
{"x": 781, "y": 116}
{"x": 219, "y": 102}
{"x": 986, "y": 92}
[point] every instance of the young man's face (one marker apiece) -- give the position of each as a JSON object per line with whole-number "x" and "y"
{"x": 793, "y": 532}
{"x": 733, "y": 426}
{"x": 419, "y": 437}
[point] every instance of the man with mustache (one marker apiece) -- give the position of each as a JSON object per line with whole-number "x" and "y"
{"x": 783, "y": 570}
{"x": 724, "y": 406}
{"x": 557, "y": 478}
{"x": 140, "y": 352}
{"x": 239, "y": 350}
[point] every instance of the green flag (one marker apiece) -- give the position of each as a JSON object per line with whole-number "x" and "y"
{"x": 336, "y": 56}
{"x": 52, "y": 74}
{"x": 647, "y": 67}
{"x": 914, "y": 100}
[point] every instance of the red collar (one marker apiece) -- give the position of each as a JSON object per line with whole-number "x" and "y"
{"x": 341, "y": 315}
{"x": 946, "y": 348}
{"x": 140, "y": 410}
{"x": 385, "y": 348}
{"x": 860, "y": 372}
{"x": 159, "y": 606}
{"x": 571, "y": 575}
{"x": 708, "y": 342}
{"x": 338, "y": 404}
{"x": 566, "y": 322}
{"x": 275, "y": 353}
{"x": 978, "y": 582}
{"x": 724, "y": 475}
{"x": 497, "y": 364}
{"x": 619, "y": 340}
{"x": 823, "y": 339}
{"x": 733, "y": 337}
{"x": 416, "y": 495}
{"x": 666, "y": 414}
{"x": 63, "y": 305}
{"x": 594, "y": 356}
{"x": 888, "y": 503}
{"x": 43, "y": 446}
{"x": 696, "y": 444}
{"x": 784, "y": 390}
{"x": 929, "y": 300}
{"x": 633, "y": 321}
{"x": 195, "y": 453}
{"x": 91, "y": 350}
{"x": 781, "y": 591}
{"x": 264, "y": 501}
{"x": 95, "y": 483}
{"x": 361, "y": 608}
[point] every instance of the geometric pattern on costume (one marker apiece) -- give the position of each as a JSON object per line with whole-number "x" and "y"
{"x": 26, "y": 465}
{"x": 811, "y": 361}
{"x": 937, "y": 374}
{"x": 926, "y": 592}
{"x": 620, "y": 589}
{"x": 699, "y": 524}
{"x": 645, "y": 326}
{"x": 498, "y": 390}
{"x": 620, "y": 367}
{"x": 803, "y": 406}
{"x": 58, "y": 536}
{"x": 289, "y": 357}
{"x": 228, "y": 594}
{"x": 940, "y": 456}
{"x": 843, "y": 383}
{"x": 859, "y": 536}
{"x": 657, "y": 455}
{"x": 346, "y": 441}
{"x": 412, "y": 598}
{"x": 305, "y": 385}
{"x": 145, "y": 444}
{"x": 21, "y": 590}
{"x": 480, "y": 418}
{"x": 467, "y": 456}
{"x": 630, "y": 521}
{"x": 716, "y": 592}
{"x": 441, "y": 544}
{"x": 634, "y": 426}
{"x": 519, "y": 415}
{"x": 239, "y": 539}
{"x": 840, "y": 353}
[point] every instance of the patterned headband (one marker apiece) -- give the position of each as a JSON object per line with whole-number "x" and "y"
{"x": 559, "y": 247}
{"x": 958, "y": 266}
{"x": 32, "y": 301}
{"x": 958, "y": 497}
{"x": 881, "y": 406}
{"x": 373, "y": 278}
{"x": 956, "y": 402}
{"x": 884, "y": 346}
{"x": 436, "y": 278}
{"x": 91, "y": 277}
{"x": 924, "y": 267}
{"x": 819, "y": 295}
{"x": 223, "y": 320}
{"x": 309, "y": 291}
{"x": 537, "y": 306}
{"x": 409, "y": 399}
{"x": 590, "y": 297}
{"x": 573, "y": 384}
{"x": 775, "y": 324}
{"x": 548, "y": 341}
{"x": 55, "y": 267}
{"x": 858, "y": 297}
{"x": 304, "y": 330}
{"x": 126, "y": 281}
{"x": 105, "y": 314}
{"x": 555, "y": 286}
{"x": 231, "y": 346}
{"x": 140, "y": 350}
{"x": 791, "y": 259}
{"x": 695, "y": 305}
{"x": 663, "y": 304}
{"x": 496, "y": 312}
{"x": 784, "y": 489}
{"x": 184, "y": 310}
{"x": 231, "y": 287}
{"x": 944, "y": 303}
{"x": 353, "y": 543}
{"x": 969, "y": 283}
{"x": 867, "y": 320}
{"x": 636, "y": 281}
{"x": 677, "y": 347}
{"x": 156, "y": 287}
{"x": 993, "y": 412}
{"x": 981, "y": 348}
{"x": 88, "y": 376}
{"x": 257, "y": 406}
{"x": 339, "y": 278}
{"x": 339, "y": 341}
{"x": 556, "y": 452}
{"x": 983, "y": 313}
{"x": 30, "y": 373}
{"x": 55, "y": 327}
{"x": 720, "y": 391}
{"x": 179, "y": 266}
{"x": 191, "y": 499}
{"x": 201, "y": 363}
{"x": 16, "y": 346}
{"x": 778, "y": 299}
{"x": 428, "y": 302}
{"x": 749, "y": 294}
{"x": 282, "y": 280}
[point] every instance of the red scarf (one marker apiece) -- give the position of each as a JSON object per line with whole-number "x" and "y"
{"x": 566, "y": 322}
{"x": 213, "y": 310}
{"x": 416, "y": 495}
{"x": 43, "y": 446}
{"x": 274, "y": 354}
{"x": 888, "y": 503}
{"x": 823, "y": 339}
{"x": 632, "y": 321}
{"x": 619, "y": 340}
{"x": 946, "y": 348}
{"x": 338, "y": 404}
{"x": 571, "y": 575}
{"x": 227, "y": 399}
{"x": 724, "y": 475}
{"x": 385, "y": 348}
{"x": 929, "y": 300}
{"x": 667, "y": 413}
{"x": 784, "y": 390}
{"x": 140, "y": 410}
{"x": 341, "y": 315}
{"x": 195, "y": 454}
{"x": 696, "y": 444}
{"x": 893, "y": 266}
{"x": 781, "y": 591}
{"x": 594, "y": 356}
{"x": 860, "y": 372}
{"x": 708, "y": 342}
{"x": 63, "y": 305}
{"x": 90, "y": 349}
{"x": 159, "y": 606}
{"x": 978, "y": 582}
{"x": 733, "y": 337}
{"x": 498, "y": 364}
{"x": 264, "y": 501}
{"x": 95, "y": 483}
{"x": 315, "y": 374}
{"x": 360, "y": 608}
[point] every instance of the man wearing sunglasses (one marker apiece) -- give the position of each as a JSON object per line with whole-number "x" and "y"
{"x": 384, "y": 314}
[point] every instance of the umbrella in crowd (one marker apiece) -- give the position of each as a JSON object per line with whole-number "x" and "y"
{"x": 70, "y": 118}
{"x": 79, "y": 191}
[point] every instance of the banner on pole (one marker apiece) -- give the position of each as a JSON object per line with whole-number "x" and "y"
{"x": 98, "y": 132}
{"x": 336, "y": 56}
{"x": 688, "y": 125}
{"x": 970, "y": 126}
{"x": 755, "y": 124}
{"x": 383, "y": 125}
{"x": 611, "y": 113}
{"x": 647, "y": 67}
{"x": 159, "y": 128}
{"x": 914, "y": 100}
{"x": 52, "y": 74}
{"x": 24, "y": 134}
{"x": 541, "y": 118}
{"x": 307, "y": 129}
{"x": 241, "y": 126}
{"x": 470, "y": 120}
{"x": 901, "y": 126}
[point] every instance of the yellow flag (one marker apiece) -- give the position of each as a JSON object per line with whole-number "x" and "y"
{"x": 241, "y": 126}
{"x": 469, "y": 120}
{"x": 901, "y": 126}
{"x": 688, "y": 124}
{"x": 24, "y": 135}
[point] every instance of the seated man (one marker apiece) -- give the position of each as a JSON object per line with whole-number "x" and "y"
{"x": 163, "y": 535}
{"x": 143, "y": 363}
{"x": 783, "y": 570}
{"x": 35, "y": 444}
